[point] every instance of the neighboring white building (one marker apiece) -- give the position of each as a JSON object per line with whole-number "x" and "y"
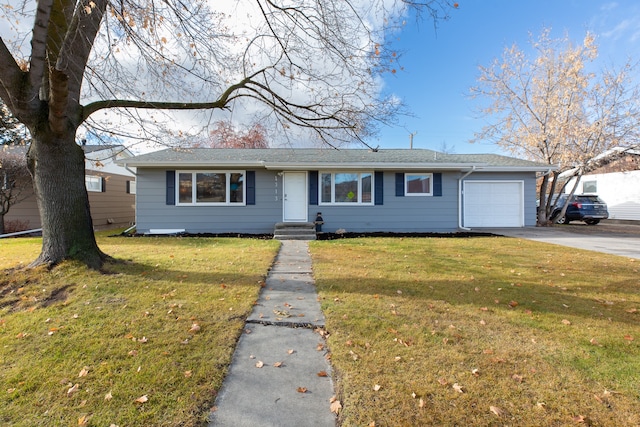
{"x": 618, "y": 184}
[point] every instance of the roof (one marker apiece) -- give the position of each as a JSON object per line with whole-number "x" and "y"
{"x": 328, "y": 158}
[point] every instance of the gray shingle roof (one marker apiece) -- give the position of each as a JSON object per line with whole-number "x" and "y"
{"x": 319, "y": 158}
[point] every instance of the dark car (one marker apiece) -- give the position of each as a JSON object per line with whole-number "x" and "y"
{"x": 581, "y": 207}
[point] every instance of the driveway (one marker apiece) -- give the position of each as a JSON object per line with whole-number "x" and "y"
{"x": 616, "y": 239}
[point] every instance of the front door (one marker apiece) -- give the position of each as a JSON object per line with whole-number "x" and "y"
{"x": 295, "y": 197}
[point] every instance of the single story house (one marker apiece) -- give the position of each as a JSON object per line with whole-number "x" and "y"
{"x": 111, "y": 189}
{"x": 208, "y": 190}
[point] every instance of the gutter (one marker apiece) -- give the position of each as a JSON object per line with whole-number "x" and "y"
{"x": 473, "y": 168}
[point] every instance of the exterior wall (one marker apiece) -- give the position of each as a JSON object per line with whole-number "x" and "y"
{"x": 397, "y": 214}
{"x": 620, "y": 190}
{"x": 530, "y": 190}
{"x": 114, "y": 207}
{"x": 152, "y": 212}
{"x": 109, "y": 209}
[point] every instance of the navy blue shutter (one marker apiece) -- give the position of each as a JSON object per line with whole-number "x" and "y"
{"x": 379, "y": 185}
{"x": 171, "y": 187}
{"x": 128, "y": 187}
{"x": 104, "y": 184}
{"x": 399, "y": 184}
{"x": 251, "y": 187}
{"x": 437, "y": 184}
{"x": 313, "y": 187}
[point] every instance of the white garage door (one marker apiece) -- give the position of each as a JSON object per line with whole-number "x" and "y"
{"x": 493, "y": 204}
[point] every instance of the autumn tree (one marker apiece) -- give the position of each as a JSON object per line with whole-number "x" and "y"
{"x": 225, "y": 135}
{"x": 549, "y": 107}
{"x": 314, "y": 65}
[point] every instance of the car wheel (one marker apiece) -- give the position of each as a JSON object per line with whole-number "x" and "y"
{"x": 562, "y": 220}
{"x": 592, "y": 221}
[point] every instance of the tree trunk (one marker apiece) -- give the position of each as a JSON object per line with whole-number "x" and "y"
{"x": 1, "y": 223}
{"x": 57, "y": 166}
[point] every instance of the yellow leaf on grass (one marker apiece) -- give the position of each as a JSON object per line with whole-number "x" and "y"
{"x": 194, "y": 328}
{"x": 108, "y": 396}
{"x": 497, "y": 411}
{"x": 83, "y": 420}
{"x": 457, "y": 387}
{"x": 377, "y": 387}
{"x": 83, "y": 372}
{"x": 73, "y": 389}
{"x": 142, "y": 399}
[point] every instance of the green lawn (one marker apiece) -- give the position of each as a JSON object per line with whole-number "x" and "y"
{"x": 480, "y": 331}
{"x": 145, "y": 343}
{"x": 425, "y": 331}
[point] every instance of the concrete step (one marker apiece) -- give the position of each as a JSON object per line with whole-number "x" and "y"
{"x": 295, "y": 231}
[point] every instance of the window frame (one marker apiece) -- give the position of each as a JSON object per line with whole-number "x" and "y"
{"x": 94, "y": 179}
{"x": 194, "y": 187}
{"x": 406, "y": 184}
{"x": 333, "y": 174}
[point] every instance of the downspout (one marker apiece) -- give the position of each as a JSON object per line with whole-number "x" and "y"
{"x": 127, "y": 168}
{"x": 473, "y": 168}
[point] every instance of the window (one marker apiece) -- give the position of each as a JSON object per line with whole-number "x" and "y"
{"x": 210, "y": 188}
{"x": 590, "y": 187}
{"x": 418, "y": 184}
{"x": 346, "y": 188}
{"x": 131, "y": 187}
{"x": 93, "y": 183}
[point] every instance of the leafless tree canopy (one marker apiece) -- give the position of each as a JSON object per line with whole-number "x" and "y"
{"x": 550, "y": 108}
{"x": 309, "y": 64}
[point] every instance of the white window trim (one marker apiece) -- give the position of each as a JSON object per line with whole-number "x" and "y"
{"x": 333, "y": 189}
{"x": 93, "y": 179}
{"x": 227, "y": 192}
{"x": 406, "y": 185}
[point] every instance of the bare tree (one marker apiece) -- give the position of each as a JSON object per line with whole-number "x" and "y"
{"x": 14, "y": 180}
{"x": 314, "y": 64}
{"x": 551, "y": 109}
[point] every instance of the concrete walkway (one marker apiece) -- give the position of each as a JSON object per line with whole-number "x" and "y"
{"x": 273, "y": 379}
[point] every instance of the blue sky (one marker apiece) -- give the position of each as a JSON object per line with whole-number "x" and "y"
{"x": 441, "y": 65}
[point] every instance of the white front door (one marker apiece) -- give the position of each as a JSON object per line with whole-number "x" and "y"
{"x": 295, "y": 197}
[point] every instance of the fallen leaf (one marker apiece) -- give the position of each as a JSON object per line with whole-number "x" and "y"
{"x": 320, "y": 346}
{"x": 73, "y": 389}
{"x": 376, "y": 387}
{"x": 513, "y": 304}
{"x": 302, "y": 390}
{"x": 499, "y": 412}
{"x": 108, "y": 396}
{"x": 194, "y": 328}
{"x": 143, "y": 339}
{"x": 142, "y": 399}
{"x": 83, "y": 372}
{"x": 517, "y": 378}
{"x": 457, "y": 387}
{"x": 83, "y": 420}
{"x": 277, "y": 364}
{"x": 291, "y": 351}
{"x": 188, "y": 374}
{"x": 475, "y": 372}
{"x": 443, "y": 381}
{"x": 421, "y": 403}
{"x": 259, "y": 364}
{"x": 628, "y": 337}
{"x": 335, "y": 406}
{"x": 322, "y": 374}
{"x": 566, "y": 322}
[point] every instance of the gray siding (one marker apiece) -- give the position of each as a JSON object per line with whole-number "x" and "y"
{"x": 152, "y": 212}
{"x": 397, "y": 214}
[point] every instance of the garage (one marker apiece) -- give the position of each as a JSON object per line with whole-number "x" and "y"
{"x": 493, "y": 204}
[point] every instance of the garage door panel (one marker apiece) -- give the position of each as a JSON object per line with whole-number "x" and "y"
{"x": 493, "y": 204}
